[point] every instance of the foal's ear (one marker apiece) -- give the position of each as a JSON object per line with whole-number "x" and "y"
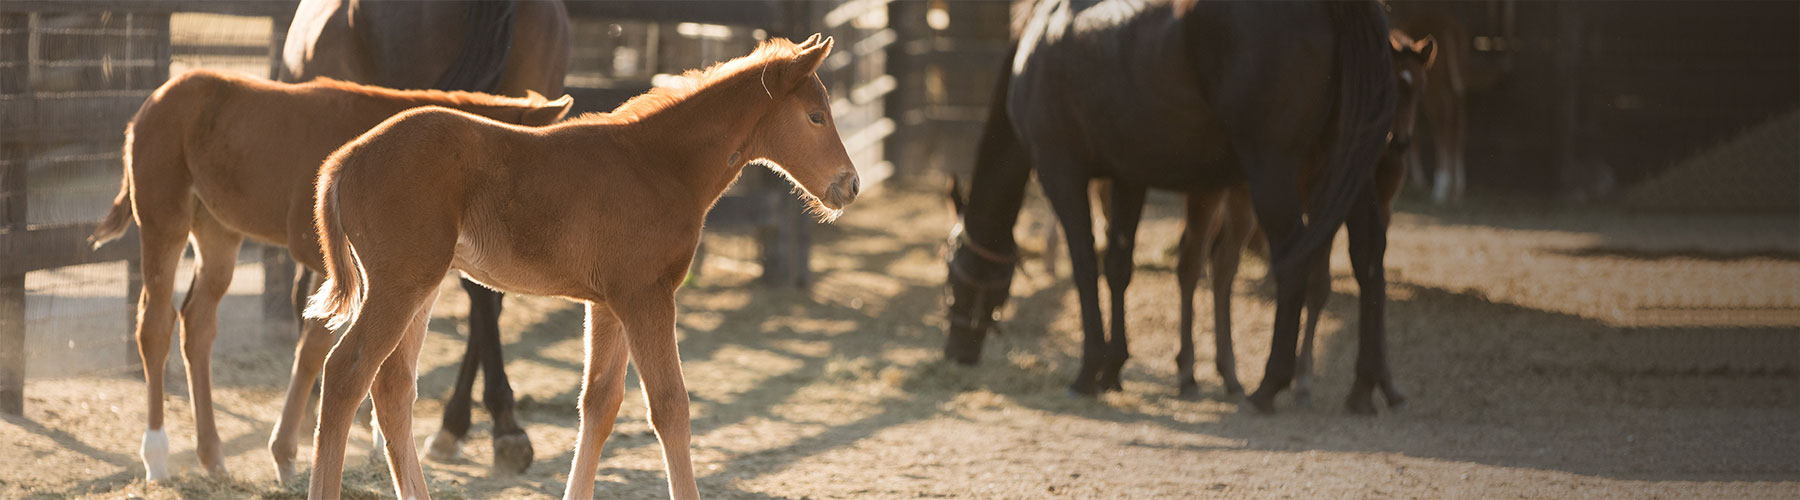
{"x": 1427, "y": 47}
{"x": 808, "y": 56}
{"x": 545, "y": 113}
{"x": 1399, "y": 40}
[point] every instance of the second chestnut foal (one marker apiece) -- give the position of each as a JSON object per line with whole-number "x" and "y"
{"x": 214, "y": 157}
{"x": 605, "y": 209}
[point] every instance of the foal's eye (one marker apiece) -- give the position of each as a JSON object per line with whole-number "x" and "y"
{"x": 817, "y": 118}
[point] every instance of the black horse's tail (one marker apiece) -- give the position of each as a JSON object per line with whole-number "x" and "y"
{"x": 482, "y": 60}
{"x": 1365, "y": 115}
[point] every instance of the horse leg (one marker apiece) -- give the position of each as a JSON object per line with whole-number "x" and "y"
{"x": 1196, "y": 238}
{"x": 380, "y": 324}
{"x": 446, "y": 444}
{"x": 512, "y": 447}
{"x": 1273, "y": 180}
{"x": 395, "y": 390}
{"x": 216, "y": 249}
{"x": 163, "y": 219}
{"x": 602, "y": 389}
{"x": 1367, "y": 226}
{"x": 1069, "y": 198}
{"x": 309, "y": 358}
{"x": 1318, "y": 290}
{"x": 1127, "y": 202}
{"x": 1236, "y": 226}
{"x": 650, "y": 333}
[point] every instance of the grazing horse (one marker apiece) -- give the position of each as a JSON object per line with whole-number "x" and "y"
{"x": 605, "y": 209}
{"x": 502, "y": 47}
{"x": 216, "y": 157}
{"x": 1444, "y": 102}
{"x": 1220, "y": 223}
{"x": 1186, "y": 96}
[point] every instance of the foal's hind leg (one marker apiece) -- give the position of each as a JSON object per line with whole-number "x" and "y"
{"x": 1121, "y": 241}
{"x": 602, "y": 389}
{"x": 216, "y": 247}
{"x": 381, "y": 324}
{"x": 163, "y": 217}
{"x": 394, "y": 392}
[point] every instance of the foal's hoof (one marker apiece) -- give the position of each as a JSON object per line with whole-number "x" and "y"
{"x": 512, "y": 453}
{"x": 1360, "y": 405}
{"x": 443, "y": 447}
{"x": 284, "y": 473}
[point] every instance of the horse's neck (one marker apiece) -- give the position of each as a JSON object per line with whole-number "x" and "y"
{"x": 700, "y": 141}
{"x": 996, "y": 190}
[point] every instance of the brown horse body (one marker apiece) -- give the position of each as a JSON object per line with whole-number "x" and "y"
{"x": 605, "y": 209}
{"x": 1221, "y": 223}
{"x": 219, "y": 157}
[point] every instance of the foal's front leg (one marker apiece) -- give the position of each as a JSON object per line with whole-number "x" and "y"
{"x": 602, "y": 388}
{"x": 650, "y": 332}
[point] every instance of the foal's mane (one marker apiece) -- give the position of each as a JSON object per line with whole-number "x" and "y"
{"x": 442, "y": 97}
{"x": 692, "y": 81}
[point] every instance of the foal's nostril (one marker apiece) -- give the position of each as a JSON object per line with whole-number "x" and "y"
{"x": 855, "y": 187}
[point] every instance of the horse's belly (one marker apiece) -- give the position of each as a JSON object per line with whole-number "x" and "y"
{"x": 496, "y": 268}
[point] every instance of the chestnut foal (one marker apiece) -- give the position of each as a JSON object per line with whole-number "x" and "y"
{"x": 215, "y": 157}
{"x": 605, "y": 209}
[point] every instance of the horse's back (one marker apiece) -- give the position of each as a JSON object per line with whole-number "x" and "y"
{"x": 338, "y": 39}
{"x": 1162, "y": 86}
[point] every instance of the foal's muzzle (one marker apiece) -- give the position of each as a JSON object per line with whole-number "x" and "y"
{"x": 843, "y": 189}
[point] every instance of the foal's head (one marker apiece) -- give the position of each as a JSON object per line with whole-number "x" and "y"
{"x": 798, "y": 134}
{"x": 1412, "y": 60}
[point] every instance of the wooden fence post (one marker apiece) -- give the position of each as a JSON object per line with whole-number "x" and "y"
{"x": 278, "y": 267}
{"x": 12, "y": 288}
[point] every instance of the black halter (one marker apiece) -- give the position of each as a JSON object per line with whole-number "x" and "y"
{"x": 1002, "y": 284}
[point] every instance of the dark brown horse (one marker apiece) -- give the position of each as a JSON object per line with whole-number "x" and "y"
{"x": 497, "y": 46}
{"x": 1294, "y": 99}
{"x": 1220, "y": 223}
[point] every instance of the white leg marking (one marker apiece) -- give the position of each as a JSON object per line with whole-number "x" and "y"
{"x": 155, "y": 452}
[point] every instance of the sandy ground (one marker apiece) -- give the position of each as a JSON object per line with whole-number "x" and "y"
{"x": 1549, "y": 353}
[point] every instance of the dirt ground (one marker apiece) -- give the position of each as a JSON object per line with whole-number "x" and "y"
{"x": 1549, "y": 352}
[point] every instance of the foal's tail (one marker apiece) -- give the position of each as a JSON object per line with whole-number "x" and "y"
{"x": 337, "y": 300}
{"x": 1365, "y": 115}
{"x": 117, "y": 220}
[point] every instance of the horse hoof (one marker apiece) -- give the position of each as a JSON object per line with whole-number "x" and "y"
{"x": 284, "y": 473}
{"x": 1359, "y": 406}
{"x": 1077, "y": 392}
{"x": 1234, "y": 390}
{"x": 512, "y": 453}
{"x": 443, "y": 447}
{"x": 1303, "y": 399}
{"x": 1396, "y": 403}
{"x": 1190, "y": 391}
{"x": 1257, "y": 405}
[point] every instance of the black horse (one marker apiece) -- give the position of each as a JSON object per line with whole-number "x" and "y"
{"x": 1293, "y": 99}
